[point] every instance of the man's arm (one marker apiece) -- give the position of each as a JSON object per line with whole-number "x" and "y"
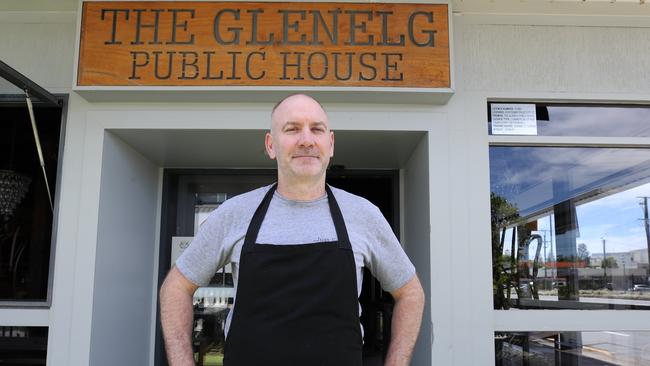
{"x": 407, "y": 316}
{"x": 176, "y": 313}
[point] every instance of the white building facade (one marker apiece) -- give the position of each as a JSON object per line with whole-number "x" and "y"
{"x": 129, "y": 156}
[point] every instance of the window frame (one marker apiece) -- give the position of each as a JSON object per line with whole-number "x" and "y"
{"x": 565, "y": 319}
{"x": 13, "y": 100}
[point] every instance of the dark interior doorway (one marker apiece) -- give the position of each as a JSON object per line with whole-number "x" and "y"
{"x": 189, "y": 194}
{"x": 382, "y": 189}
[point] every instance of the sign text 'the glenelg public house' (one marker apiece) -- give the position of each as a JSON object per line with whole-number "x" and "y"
{"x": 265, "y": 44}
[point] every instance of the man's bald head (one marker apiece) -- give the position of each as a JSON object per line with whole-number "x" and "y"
{"x": 288, "y": 102}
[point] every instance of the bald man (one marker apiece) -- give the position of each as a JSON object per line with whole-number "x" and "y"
{"x": 297, "y": 250}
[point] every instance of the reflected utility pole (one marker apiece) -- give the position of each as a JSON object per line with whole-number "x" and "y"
{"x": 551, "y": 255}
{"x": 646, "y": 224}
{"x": 604, "y": 263}
{"x": 545, "y": 275}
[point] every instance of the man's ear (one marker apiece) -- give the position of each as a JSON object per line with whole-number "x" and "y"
{"x": 332, "y": 142}
{"x": 268, "y": 143}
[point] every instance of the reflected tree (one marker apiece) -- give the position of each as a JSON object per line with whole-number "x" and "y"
{"x": 583, "y": 254}
{"x": 504, "y": 215}
{"x": 515, "y": 269}
{"x": 609, "y": 262}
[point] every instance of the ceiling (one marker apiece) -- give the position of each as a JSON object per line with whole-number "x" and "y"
{"x": 245, "y": 148}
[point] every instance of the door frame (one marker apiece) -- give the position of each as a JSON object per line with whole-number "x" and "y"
{"x": 169, "y": 209}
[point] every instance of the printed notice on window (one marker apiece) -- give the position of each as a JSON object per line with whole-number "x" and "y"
{"x": 513, "y": 119}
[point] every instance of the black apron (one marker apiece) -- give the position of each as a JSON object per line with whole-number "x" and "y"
{"x": 296, "y": 305}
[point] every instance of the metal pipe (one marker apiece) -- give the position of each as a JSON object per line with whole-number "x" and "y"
{"x": 30, "y": 107}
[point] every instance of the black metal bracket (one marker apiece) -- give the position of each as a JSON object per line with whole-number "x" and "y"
{"x": 24, "y": 83}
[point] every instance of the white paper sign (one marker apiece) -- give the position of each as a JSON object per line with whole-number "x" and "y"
{"x": 179, "y": 244}
{"x": 513, "y": 119}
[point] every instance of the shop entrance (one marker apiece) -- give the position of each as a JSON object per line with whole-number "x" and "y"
{"x": 190, "y": 195}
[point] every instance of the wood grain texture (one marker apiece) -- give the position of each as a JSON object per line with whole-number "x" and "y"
{"x": 264, "y": 44}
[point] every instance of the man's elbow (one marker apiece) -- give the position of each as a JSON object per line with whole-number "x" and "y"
{"x": 176, "y": 284}
{"x": 412, "y": 292}
{"x": 418, "y": 294}
{"x": 165, "y": 289}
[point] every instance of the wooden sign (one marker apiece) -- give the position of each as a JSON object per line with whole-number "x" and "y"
{"x": 264, "y": 44}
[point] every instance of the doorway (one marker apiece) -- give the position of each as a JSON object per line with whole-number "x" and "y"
{"x": 190, "y": 195}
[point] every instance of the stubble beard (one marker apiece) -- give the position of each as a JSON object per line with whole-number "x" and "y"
{"x": 296, "y": 171}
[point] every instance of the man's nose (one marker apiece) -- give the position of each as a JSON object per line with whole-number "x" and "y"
{"x": 306, "y": 137}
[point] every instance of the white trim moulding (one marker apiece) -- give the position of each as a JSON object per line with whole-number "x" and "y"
{"x": 571, "y": 320}
{"x": 24, "y": 317}
{"x": 639, "y": 142}
{"x": 240, "y": 94}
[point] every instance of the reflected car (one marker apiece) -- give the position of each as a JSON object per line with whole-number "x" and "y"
{"x": 638, "y": 288}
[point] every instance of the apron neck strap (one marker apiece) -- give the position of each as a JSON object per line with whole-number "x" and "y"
{"x": 337, "y": 217}
{"x": 260, "y": 213}
{"x": 256, "y": 222}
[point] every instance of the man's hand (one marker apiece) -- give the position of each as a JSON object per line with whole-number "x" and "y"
{"x": 407, "y": 316}
{"x": 176, "y": 314}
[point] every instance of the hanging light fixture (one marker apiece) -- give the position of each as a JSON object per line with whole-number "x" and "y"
{"x": 13, "y": 187}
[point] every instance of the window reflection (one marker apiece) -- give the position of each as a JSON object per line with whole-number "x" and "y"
{"x": 588, "y": 120}
{"x": 213, "y": 302}
{"x": 572, "y": 348}
{"x": 25, "y": 212}
{"x": 570, "y": 227}
{"x": 23, "y": 345}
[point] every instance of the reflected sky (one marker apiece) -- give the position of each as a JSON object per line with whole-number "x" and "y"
{"x": 606, "y": 184}
{"x": 596, "y": 121}
{"x": 602, "y": 121}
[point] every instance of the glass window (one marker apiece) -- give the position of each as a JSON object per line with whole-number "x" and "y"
{"x": 570, "y": 227}
{"x": 547, "y": 119}
{"x": 572, "y": 348}
{"x": 26, "y": 214}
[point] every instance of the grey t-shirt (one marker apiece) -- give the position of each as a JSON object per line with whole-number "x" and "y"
{"x": 220, "y": 238}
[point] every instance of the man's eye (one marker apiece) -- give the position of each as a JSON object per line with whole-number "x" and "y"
{"x": 318, "y": 129}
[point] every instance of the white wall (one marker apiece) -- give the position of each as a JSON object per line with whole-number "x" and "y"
{"x": 72, "y": 238}
{"x": 552, "y": 59}
{"x": 40, "y": 45}
{"x": 417, "y": 238}
{"x": 126, "y": 244}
